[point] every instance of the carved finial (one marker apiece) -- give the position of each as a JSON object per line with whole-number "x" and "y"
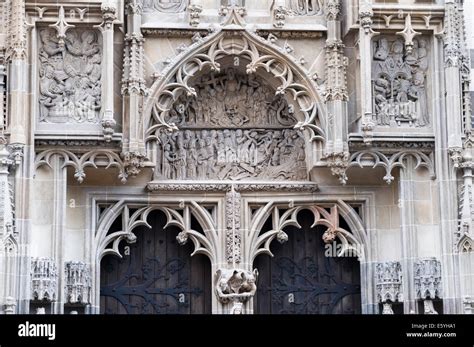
{"x": 408, "y": 34}
{"x": 61, "y": 26}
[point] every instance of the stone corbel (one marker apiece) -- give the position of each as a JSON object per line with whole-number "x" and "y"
{"x": 427, "y": 278}
{"x": 389, "y": 284}
{"x": 78, "y": 283}
{"x": 44, "y": 279}
{"x": 234, "y": 287}
{"x": 338, "y": 163}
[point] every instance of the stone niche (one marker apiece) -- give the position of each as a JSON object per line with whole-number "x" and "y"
{"x": 235, "y": 128}
{"x": 399, "y": 83}
{"x": 69, "y": 80}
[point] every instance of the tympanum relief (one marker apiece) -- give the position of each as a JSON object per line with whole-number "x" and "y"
{"x": 235, "y": 128}
{"x": 166, "y": 6}
{"x": 69, "y": 76}
{"x": 399, "y": 83}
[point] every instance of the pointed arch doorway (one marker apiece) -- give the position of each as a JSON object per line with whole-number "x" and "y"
{"x": 302, "y": 279}
{"x": 156, "y": 275}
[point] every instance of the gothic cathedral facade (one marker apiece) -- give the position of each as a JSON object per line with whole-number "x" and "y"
{"x": 235, "y": 157}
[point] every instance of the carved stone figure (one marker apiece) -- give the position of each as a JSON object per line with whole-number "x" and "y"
{"x": 305, "y": 7}
{"x": 236, "y": 128}
{"x": 399, "y": 83}
{"x": 235, "y": 285}
{"x": 166, "y": 6}
{"x": 70, "y": 77}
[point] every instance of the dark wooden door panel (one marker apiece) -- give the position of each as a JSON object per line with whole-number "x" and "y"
{"x": 300, "y": 279}
{"x": 157, "y": 277}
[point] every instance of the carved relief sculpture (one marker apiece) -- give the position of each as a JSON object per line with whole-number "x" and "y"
{"x": 428, "y": 278}
{"x": 235, "y": 286}
{"x": 388, "y": 284}
{"x": 70, "y": 77}
{"x": 44, "y": 277}
{"x": 234, "y": 129}
{"x": 399, "y": 83}
{"x": 165, "y": 6}
{"x": 78, "y": 283}
{"x": 305, "y": 7}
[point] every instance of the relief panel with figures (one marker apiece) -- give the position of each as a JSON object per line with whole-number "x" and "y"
{"x": 69, "y": 77}
{"x": 400, "y": 83}
{"x": 235, "y": 128}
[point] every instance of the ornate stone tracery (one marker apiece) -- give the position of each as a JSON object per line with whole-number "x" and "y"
{"x": 70, "y": 76}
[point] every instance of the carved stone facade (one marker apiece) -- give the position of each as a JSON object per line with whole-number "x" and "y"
{"x": 400, "y": 82}
{"x": 78, "y": 283}
{"x": 237, "y": 125}
{"x": 44, "y": 279}
{"x": 428, "y": 279}
{"x": 389, "y": 282}
{"x": 69, "y": 76}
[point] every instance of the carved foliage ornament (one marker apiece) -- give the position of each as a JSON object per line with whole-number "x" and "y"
{"x": 70, "y": 76}
{"x": 399, "y": 83}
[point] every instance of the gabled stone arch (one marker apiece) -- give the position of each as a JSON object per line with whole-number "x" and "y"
{"x": 262, "y": 57}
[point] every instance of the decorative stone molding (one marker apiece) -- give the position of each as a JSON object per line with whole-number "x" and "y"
{"x": 233, "y": 232}
{"x": 235, "y": 286}
{"x": 194, "y": 14}
{"x": 78, "y": 283}
{"x": 16, "y": 31}
{"x": 99, "y": 157}
{"x": 389, "y": 285}
{"x": 238, "y": 187}
{"x": 44, "y": 279}
{"x": 389, "y": 162}
{"x": 427, "y": 277}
